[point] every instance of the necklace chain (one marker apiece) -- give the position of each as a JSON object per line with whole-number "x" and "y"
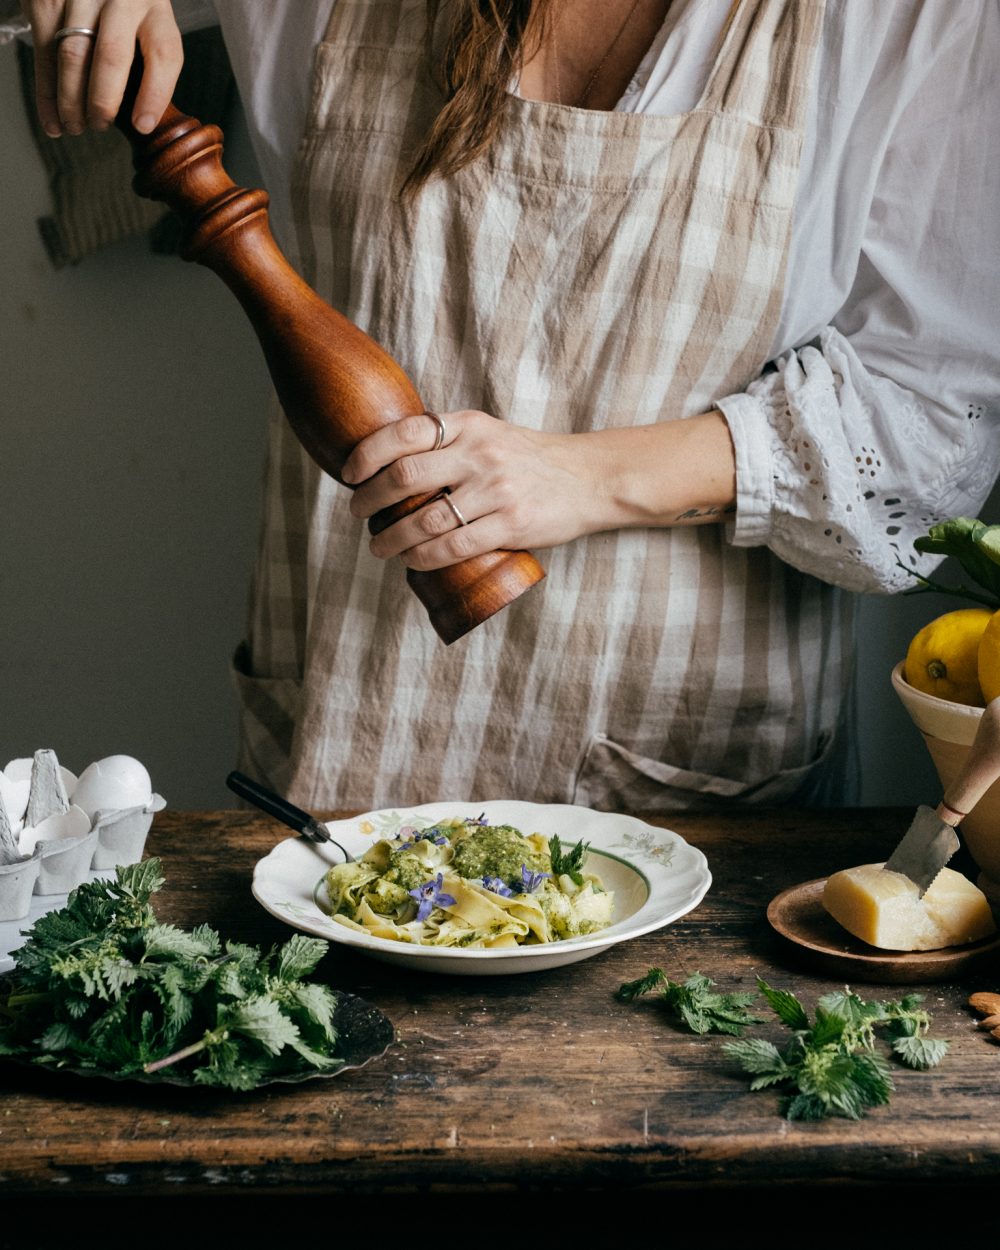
{"x": 600, "y": 65}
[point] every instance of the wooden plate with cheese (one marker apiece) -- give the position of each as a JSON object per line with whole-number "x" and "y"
{"x": 798, "y": 916}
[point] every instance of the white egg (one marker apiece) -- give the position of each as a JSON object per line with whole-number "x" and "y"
{"x": 72, "y": 823}
{"x": 112, "y": 784}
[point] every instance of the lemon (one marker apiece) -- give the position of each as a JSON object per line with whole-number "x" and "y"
{"x": 989, "y": 659}
{"x": 943, "y": 658}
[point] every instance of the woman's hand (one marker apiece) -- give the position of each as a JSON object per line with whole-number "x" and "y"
{"x": 80, "y": 79}
{"x": 515, "y": 488}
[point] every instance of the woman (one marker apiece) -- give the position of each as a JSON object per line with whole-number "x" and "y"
{"x": 674, "y": 197}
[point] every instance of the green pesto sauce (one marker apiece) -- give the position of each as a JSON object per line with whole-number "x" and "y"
{"x": 406, "y": 870}
{"x": 495, "y": 851}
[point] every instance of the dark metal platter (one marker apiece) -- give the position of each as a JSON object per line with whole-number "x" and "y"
{"x": 363, "y": 1033}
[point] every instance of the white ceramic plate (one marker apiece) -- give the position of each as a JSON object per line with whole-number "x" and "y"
{"x": 655, "y": 875}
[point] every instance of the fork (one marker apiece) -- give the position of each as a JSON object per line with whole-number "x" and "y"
{"x": 305, "y": 826}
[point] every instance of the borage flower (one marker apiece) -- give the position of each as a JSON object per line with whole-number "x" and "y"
{"x": 530, "y": 881}
{"x": 477, "y": 820}
{"x": 496, "y": 886}
{"x": 409, "y": 836}
{"x": 431, "y": 895}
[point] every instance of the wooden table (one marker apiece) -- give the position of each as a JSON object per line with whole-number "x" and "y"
{"x": 518, "y": 1084}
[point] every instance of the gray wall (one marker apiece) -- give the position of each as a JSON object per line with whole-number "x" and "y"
{"x": 131, "y": 412}
{"x": 132, "y": 417}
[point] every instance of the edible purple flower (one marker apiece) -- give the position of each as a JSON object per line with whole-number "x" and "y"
{"x": 530, "y": 881}
{"x": 496, "y": 886}
{"x": 477, "y": 820}
{"x": 431, "y": 895}
{"x": 410, "y": 836}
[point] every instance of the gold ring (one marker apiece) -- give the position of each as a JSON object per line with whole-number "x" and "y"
{"x": 74, "y": 30}
{"x": 439, "y": 440}
{"x": 454, "y": 507}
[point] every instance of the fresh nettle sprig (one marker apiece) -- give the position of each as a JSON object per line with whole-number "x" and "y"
{"x": 570, "y": 864}
{"x": 831, "y": 1066}
{"x": 101, "y": 984}
{"x": 695, "y": 1002}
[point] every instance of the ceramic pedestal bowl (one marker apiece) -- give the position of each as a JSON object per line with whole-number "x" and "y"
{"x": 948, "y": 730}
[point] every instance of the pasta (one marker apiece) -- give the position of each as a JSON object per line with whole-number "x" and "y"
{"x": 465, "y": 883}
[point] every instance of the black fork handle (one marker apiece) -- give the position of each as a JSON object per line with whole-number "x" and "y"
{"x": 290, "y": 815}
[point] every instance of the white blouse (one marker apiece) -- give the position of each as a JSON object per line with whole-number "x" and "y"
{"x": 879, "y": 415}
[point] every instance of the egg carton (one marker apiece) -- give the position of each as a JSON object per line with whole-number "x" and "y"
{"x": 52, "y": 841}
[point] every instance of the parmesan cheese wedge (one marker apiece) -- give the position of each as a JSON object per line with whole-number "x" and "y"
{"x": 884, "y": 909}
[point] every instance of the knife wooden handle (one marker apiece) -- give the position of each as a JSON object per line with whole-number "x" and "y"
{"x": 980, "y": 770}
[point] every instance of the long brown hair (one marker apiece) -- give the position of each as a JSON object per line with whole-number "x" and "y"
{"x": 487, "y": 44}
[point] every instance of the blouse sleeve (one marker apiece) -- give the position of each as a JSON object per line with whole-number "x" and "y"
{"x": 851, "y": 445}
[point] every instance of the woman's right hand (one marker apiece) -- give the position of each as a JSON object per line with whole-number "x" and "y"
{"x": 81, "y": 79}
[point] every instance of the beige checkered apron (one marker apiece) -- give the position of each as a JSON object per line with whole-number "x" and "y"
{"x": 594, "y": 270}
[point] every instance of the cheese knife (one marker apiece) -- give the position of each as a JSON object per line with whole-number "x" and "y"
{"x": 931, "y": 840}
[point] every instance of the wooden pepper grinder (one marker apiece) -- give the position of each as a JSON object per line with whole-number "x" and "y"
{"x": 335, "y": 384}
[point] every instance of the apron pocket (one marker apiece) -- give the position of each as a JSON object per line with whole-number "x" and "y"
{"x": 612, "y": 777}
{"x": 268, "y": 711}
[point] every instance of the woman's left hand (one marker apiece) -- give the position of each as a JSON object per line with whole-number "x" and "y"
{"x": 513, "y": 487}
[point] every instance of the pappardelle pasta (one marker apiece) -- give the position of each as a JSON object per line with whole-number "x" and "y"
{"x": 466, "y": 883}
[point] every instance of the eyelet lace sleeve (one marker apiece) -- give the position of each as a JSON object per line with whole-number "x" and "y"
{"x": 838, "y": 471}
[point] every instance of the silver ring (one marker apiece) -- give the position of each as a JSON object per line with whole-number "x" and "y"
{"x": 454, "y": 507}
{"x": 74, "y": 30}
{"x": 439, "y": 441}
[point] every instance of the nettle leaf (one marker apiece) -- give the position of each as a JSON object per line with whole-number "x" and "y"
{"x": 318, "y": 1003}
{"x": 141, "y": 880}
{"x": 696, "y": 1020}
{"x": 314, "y": 1057}
{"x": 828, "y": 1029}
{"x": 920, "y": 1052}
{"x": 167, "y": 941}
{"x": 806, "y": 1107}
{"x": 229, "y": 982}
{"x": 758, "y": 1056}
{"x": 299, "y": 956}
{"x": 59, "y": 1036}
{"x": 785, "y": 1006}
{"x": 628, "y": 991}
{"x": 261, "y": 1019}
{"x": 76, "y": 1006}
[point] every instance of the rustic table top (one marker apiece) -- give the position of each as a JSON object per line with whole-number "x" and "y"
{"x": 521, "y": 1081}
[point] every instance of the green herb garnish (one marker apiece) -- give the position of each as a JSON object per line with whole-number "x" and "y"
{"x": 101, "y": 984}
{"x": 568, "y": 865}
{"x": 695, "y": 1002}
{"x": 831, "y": 1067}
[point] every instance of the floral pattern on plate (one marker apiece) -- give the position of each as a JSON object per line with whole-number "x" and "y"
{"x": 657, "y": 877}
